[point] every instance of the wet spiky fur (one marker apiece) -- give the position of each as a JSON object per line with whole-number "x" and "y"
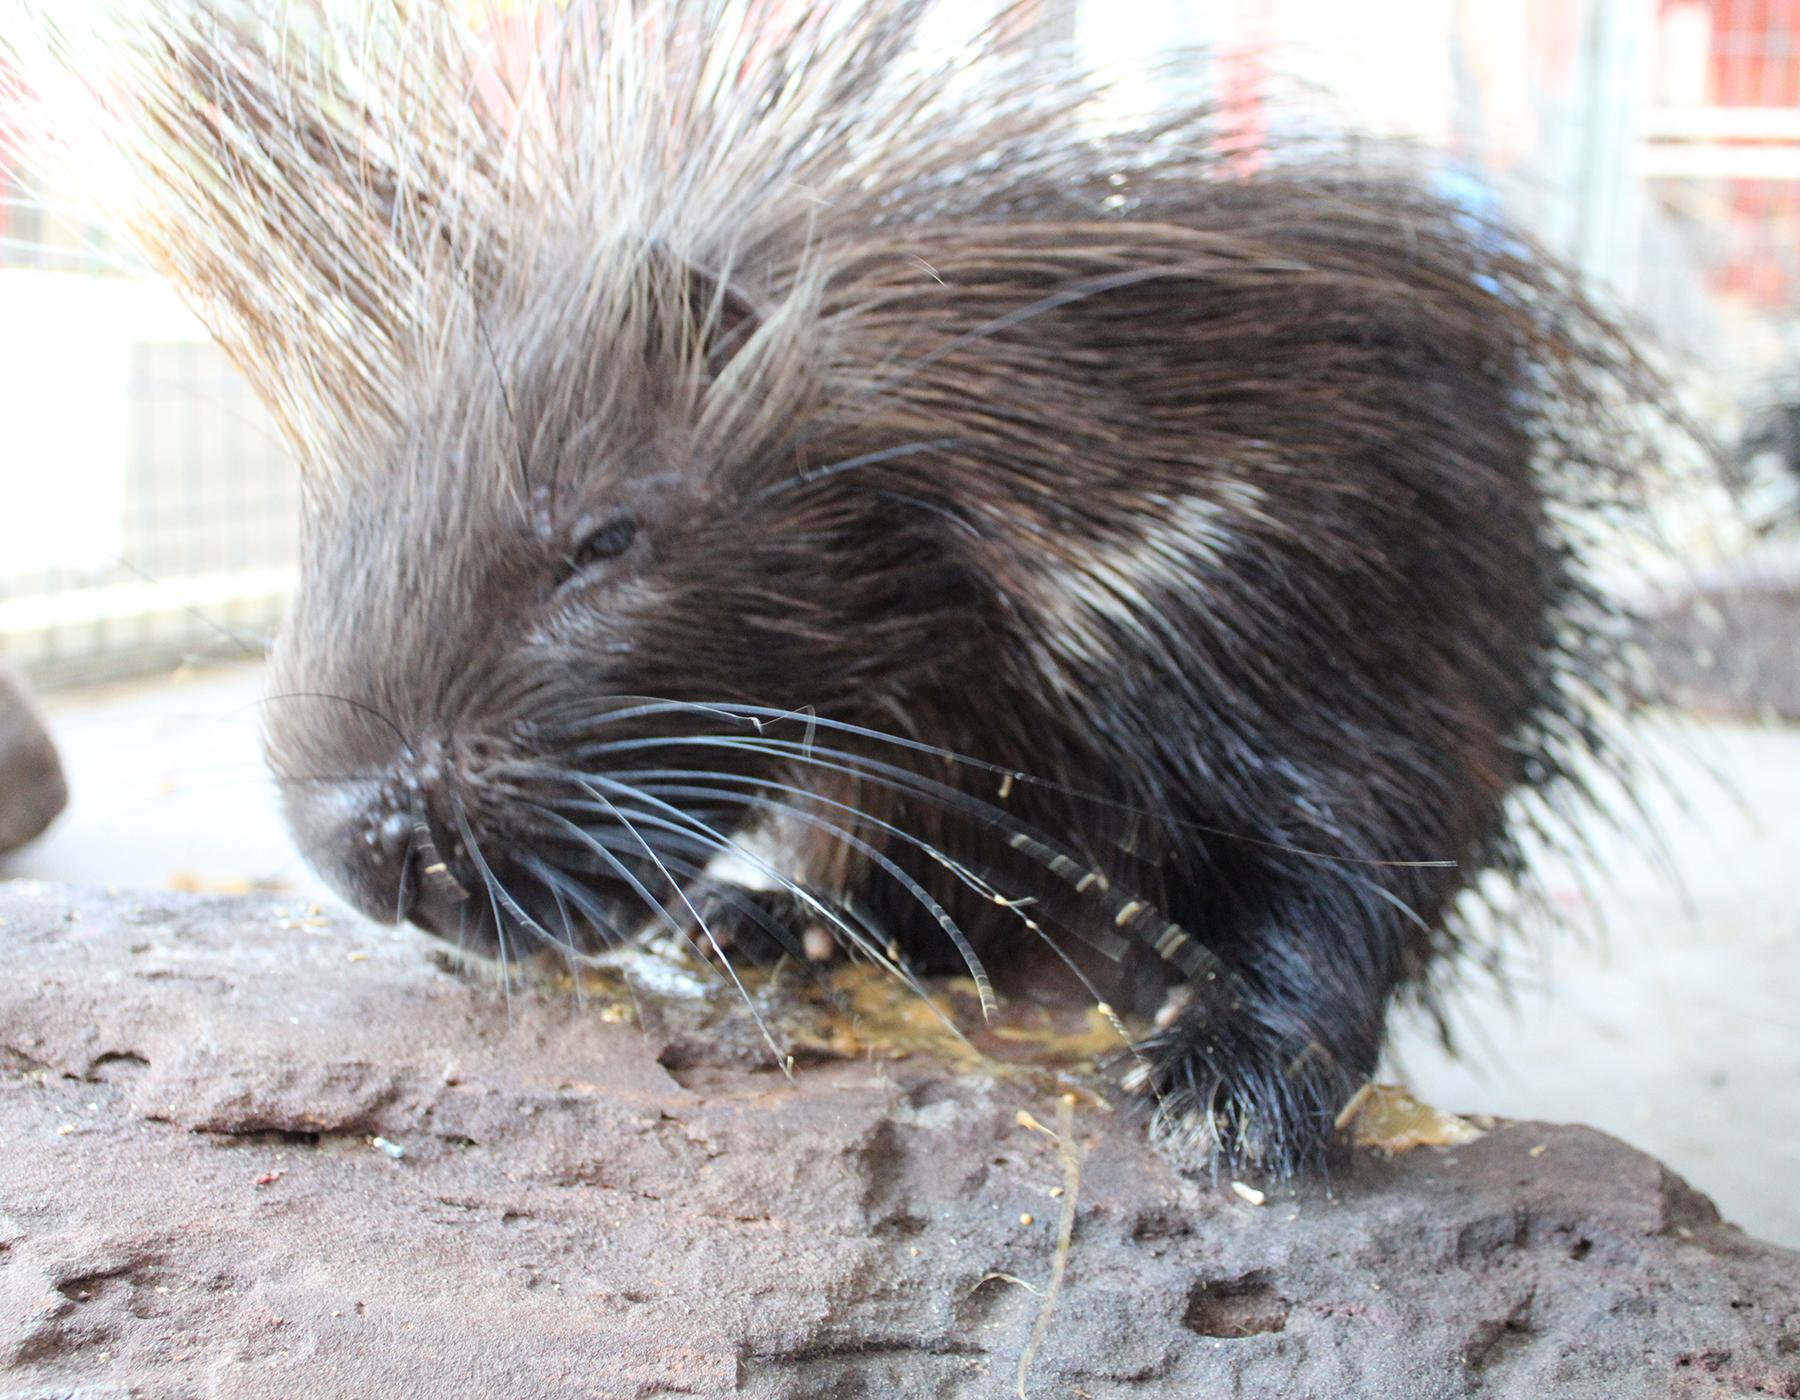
{"x": 1014, "y": 538}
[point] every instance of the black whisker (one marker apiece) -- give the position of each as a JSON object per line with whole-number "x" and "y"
{"x": 359, "y": 705}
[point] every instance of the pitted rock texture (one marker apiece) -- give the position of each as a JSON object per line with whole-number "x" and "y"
{"x": 192, "y": 1203}
{"x": 32, "y": 789}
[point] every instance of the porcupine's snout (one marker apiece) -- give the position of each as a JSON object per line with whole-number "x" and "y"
{"x": 393, "y": 848}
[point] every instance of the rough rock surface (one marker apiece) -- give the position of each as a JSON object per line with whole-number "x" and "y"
{"x": 32, "y": 790}
{"x": 191, "y": 1203}
{"x": 1726, "y": 641}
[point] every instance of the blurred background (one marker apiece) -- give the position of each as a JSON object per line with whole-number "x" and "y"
{"x": 148, "y": 515}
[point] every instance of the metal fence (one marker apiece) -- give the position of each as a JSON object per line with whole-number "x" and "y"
{"x": 150, "y": 511}
{"x": 147, "y": 509}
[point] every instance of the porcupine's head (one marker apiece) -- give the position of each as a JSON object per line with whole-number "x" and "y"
{"x": 564, "y": 323}
{"x": 551, "y": 615}
{"x": 532, "y": 676}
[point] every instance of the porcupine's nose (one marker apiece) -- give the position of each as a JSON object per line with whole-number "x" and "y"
{"x": 399, "y": 858}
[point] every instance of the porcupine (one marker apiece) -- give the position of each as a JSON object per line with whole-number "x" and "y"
{"x": 760, "y": 477}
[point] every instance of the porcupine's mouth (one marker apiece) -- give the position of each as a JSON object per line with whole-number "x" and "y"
{"x": 579, "y": 832}
{"x": 570, "y": 891}
{"x": 497, "y": 907}
{"x": 479, "y": 926}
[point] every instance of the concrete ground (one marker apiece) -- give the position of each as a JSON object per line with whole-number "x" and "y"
{"x": 1681, "y": 1035}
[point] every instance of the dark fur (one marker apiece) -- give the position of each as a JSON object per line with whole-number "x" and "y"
{"x": 1234, "y": 509}
{"x": 1393, "y": 636}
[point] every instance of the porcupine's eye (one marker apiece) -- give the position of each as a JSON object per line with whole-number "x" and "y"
{"x": 607, "y": 541}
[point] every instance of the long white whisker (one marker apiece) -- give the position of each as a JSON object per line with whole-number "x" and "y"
{"x": 620, "y": 868}
{"x": 1015, "y": 907}
{"x": 854, "y": 937}
{"x": 964, "y": 948}
{"x": 699, "y": 920}
{"x": 493, "y": 893}
{"x": 568, "y": 941}
{"x": 1020, "y": 838}
{"x": 753, "y": 713}
{"x": 560, "y": 885}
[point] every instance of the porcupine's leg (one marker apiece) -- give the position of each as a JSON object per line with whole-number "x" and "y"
{"x": 759, "y": 927}
{"x": 1260, "y": 1059}
{"x": 1256, "y": 1066}
{"x": 1338, "y": 810}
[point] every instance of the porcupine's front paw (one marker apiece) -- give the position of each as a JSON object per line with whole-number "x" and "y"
{"x": 1234, "y": 1093}
{"x": 758, "y": 926}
